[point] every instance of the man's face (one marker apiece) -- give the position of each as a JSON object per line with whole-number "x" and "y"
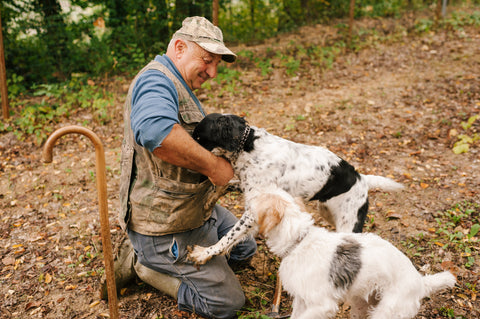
{"x": 197, "y": 65}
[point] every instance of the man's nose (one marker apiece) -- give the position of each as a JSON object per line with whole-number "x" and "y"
{"x": 212, "y": 71}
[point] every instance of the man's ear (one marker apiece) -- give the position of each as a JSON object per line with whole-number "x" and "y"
{"x": 180, "y": 48}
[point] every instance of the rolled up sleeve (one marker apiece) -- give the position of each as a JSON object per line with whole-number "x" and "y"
{"x": 154, "y": 109}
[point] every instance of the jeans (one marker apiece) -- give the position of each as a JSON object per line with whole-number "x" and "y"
{"x": 213, "y": 291}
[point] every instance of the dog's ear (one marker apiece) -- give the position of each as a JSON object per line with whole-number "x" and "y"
{"x": 230, "y": 131}
{"x": 270, "y": 209}
{"x": 218, "y": 130}
{"x": 224, "y": 131}
{"x": 207, "y": 132}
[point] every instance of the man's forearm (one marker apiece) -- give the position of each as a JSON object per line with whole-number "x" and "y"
{"x": 180, "y": 149}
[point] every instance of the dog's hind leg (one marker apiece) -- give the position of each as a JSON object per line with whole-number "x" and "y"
{"x": 359, "y": 307}
{"x": 348, "y": 212}
{"x": 396, "y": 306}
{"x": 298, "y": 306}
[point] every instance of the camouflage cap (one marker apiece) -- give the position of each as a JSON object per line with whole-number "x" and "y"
{"x": 206, "y": 35}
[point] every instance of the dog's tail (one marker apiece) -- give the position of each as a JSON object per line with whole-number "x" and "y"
{"x": 384, "y": 183}
{"x": 439, "y": 281}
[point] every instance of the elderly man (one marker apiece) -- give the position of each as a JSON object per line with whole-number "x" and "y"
{"x": 170, "y": 184}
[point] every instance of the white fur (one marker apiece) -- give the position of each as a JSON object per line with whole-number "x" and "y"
{"x": 386, "y": 286}
{"x": 301, "y": 170}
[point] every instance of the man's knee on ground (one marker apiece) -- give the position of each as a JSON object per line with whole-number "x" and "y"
{"x": 232, "y": 302}
{"x": 224, "y": 304}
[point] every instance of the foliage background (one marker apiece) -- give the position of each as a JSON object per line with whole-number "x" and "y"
{"x": 48, "y": 41}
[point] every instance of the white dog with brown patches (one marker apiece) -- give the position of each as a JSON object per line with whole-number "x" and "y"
{"x": 321, "y": 269}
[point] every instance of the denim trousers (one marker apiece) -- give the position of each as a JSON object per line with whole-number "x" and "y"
{"x": 213, "y": 290}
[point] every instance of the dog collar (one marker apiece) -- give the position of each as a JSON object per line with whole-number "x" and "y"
{"x": 294, "y": 245}
{"x": 242, "y": 143}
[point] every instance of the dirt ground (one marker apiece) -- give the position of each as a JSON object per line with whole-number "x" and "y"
{"x": 394, "y": 107}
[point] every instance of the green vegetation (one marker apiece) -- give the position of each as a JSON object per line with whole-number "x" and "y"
{"x": 52, "y": 69}
{"x": 47, "y": 42}
{"x": 54, "y": 102}
{"x": 467, "y": 139}
{"x": 458, "y": 228}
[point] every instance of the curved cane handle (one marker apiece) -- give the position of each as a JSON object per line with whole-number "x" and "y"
{"x": 102, "y": 201}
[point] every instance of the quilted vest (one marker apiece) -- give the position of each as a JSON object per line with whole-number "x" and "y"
{"x": 158, "y": 198}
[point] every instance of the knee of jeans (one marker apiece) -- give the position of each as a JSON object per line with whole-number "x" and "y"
{"x": 230, "y": 306}
{"x": 224, "y": 305}
{"x": 244, "y": 250}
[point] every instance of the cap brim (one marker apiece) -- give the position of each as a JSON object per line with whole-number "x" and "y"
{"x": 217, "y": 48}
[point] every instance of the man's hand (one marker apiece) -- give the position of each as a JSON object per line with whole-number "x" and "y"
{"x": 223, "y": 172}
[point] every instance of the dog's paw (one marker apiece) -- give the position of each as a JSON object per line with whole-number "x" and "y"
{"x": 198, "y": 255}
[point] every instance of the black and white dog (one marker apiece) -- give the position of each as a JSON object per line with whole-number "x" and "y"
{"x": 310, "y": 172}
{"x": 321, "y": 269}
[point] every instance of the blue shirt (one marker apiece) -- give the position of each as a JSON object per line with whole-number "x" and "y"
{"x": 155, "y": 105}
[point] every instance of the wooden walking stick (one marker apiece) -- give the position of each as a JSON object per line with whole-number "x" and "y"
{"x": 102, "y": 201}
{"x": 277, "y": 296}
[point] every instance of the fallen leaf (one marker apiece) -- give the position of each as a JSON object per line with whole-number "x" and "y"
{"x": 393, "y": 215}
{"x": 424, "y": 185}
{"x": 405, "y": 224}
{"x": 447, "y": 264}
{"x": 9, "y": 260}
{"x": 48, "y": 278}
{"x": 461, "y": 148}
{"x": 453, "y": 132}
{"x": 33, "y": 304}
{"x": 20, "y": 251}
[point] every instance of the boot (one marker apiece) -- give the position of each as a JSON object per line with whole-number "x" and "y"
{"x": 123, "y": 266}
{"x": 127, "y": 268}
{"x": 164, "y": 283}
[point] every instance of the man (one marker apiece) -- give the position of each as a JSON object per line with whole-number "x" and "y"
{"x": 170, "y": 184}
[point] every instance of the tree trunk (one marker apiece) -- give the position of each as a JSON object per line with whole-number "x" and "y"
{"x": 438, "y": 10}
{"x": 215, "y": 12}
{"x": 252, "y": 18}
{"x": 351, "y": 19}
{"x": 3, "y": 77}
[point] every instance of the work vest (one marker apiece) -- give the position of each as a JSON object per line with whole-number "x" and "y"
{"x": 158, "y": 198}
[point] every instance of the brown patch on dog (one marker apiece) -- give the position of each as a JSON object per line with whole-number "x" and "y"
{"x": 270, "y": 209}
